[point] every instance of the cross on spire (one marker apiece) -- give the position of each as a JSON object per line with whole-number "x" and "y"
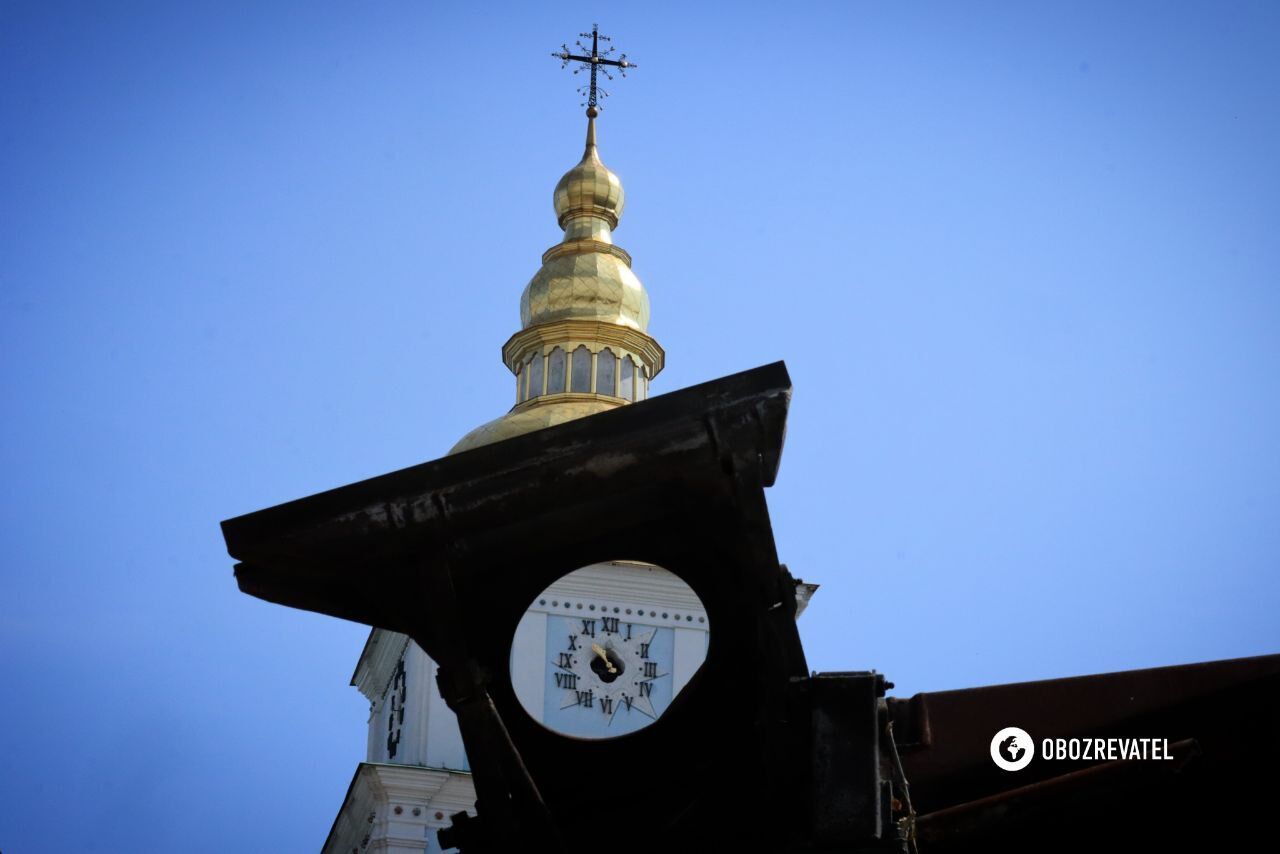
{"x": 597, "y": 62}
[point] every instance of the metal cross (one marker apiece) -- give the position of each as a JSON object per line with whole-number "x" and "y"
{"x": 596, "y": 61}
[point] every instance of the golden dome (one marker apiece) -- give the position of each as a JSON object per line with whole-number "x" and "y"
{"x": 593, "y": 285}
{"x": 526, "y": 420}
{"x": 589, "y": 189}
{"x": 586, "y": 276}
{"x": 583, "y": 347}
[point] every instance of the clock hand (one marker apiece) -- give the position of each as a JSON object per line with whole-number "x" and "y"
{"x": 598, "y": 650}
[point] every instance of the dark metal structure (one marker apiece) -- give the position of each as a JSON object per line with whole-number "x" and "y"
{"x": 596, "y": 62}
{"x": 756, "y": 753}
{"x": 1221, "y": 721}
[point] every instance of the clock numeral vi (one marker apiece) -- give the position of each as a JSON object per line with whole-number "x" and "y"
{"x": 606, "y": 705}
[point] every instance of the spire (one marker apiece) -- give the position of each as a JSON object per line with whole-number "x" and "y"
{"x": 592, "y": 112}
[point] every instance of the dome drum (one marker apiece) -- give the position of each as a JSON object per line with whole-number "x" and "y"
{"x": 596, "y": 335}
{"x": 566, "y": 371}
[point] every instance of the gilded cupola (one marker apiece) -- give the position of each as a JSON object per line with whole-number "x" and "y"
{"x": 583, "y": 346}
{"x": 586, "y": 275}
{"x": 589, "y": 189}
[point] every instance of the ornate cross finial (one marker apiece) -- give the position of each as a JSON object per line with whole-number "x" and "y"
{"x": 597, "y": 62}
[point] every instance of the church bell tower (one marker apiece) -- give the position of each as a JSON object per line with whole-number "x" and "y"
{"x": 603, "y": 650}
{"x": 583, "y": 347}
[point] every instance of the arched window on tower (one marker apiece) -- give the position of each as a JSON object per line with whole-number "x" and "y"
{"x": 535, "y": 374}
{"x": 526, "y": 391}
{"x": 627, "y": 380}
{"x": 581, "y": 371}
{"x": 606, "y": 363}
{"x": 555, "y": 371}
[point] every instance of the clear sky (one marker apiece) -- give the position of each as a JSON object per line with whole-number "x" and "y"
{"x": 1020, "y": 259}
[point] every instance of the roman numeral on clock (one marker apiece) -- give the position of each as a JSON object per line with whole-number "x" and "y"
{"x": 584, "y": 698}
{"x": 565, "y": 662}
{"x": 568, "y": 681}
{"x": 646, "y": 689}
{"x": 573, "y": 642}
{"x": 606, "y": 705}
{"x": 627, "y": 701}
{"x": 644, "y": 650}
{"x": 610, "y": 625}
{"x": 650, "y": 669}
{"x": 589, "y": 628}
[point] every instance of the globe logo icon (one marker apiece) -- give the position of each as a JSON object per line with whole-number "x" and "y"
{"x": 1012, "y": 748}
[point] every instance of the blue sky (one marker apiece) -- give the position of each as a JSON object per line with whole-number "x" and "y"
{"x": 1019, "y": 258}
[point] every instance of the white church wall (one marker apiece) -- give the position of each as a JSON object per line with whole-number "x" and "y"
{"x": 397, "y": 809}
{"x": 444, "y": 739}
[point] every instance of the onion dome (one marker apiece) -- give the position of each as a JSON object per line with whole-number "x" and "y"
{"x": 590, "y": 188}
{"x": 583, "y": 347}
{"x": 586, "y": 275}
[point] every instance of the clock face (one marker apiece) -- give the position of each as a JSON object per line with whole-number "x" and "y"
{"x": 604, "y": 650}
{"x": 608, "y": 676}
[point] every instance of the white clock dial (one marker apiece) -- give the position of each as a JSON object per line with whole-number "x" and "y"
{"x": 591, "y": 664}
{"x": 607, "y": 667}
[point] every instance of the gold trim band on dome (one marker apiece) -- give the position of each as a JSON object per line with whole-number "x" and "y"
{"x": 585, "y": 246}
{"x": 561, "y": 332}
{"x": 597, "y": 211}
{"x": 566, "y": 396}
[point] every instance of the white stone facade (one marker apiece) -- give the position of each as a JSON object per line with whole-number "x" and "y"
{"x": 397, "y": 809}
